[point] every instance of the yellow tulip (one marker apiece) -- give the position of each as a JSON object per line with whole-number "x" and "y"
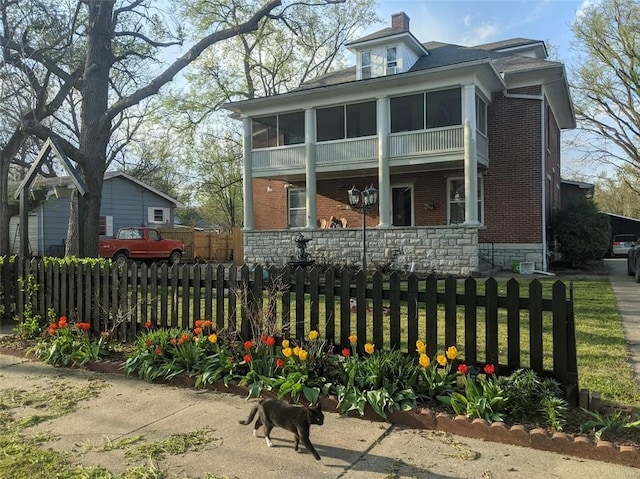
{"x": 368, "y": 347}
{"x": 296, "y": 350}
{"x": 303, "y": 355}
{"x": 424, "y": 360}
{"x": 287, "y": 352}
{"x": 313, "y": 335}
{"x": 285, "y": 343}
{"x": 442, "y": 360}
{"x": 452, "y": 353}
{"x": 421, "y": 347}
{"x": 353, "y": 339}
{"x": 213, "y": 338}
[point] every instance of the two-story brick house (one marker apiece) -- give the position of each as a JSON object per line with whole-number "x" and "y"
{"x": 462, "y": 144}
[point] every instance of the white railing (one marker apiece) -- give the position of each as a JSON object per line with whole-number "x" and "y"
{"x": 339, "y": 152}
{"x": 426, "y": 141}
{"x": 347, "y": 150}
{"x": 285, "y": 156}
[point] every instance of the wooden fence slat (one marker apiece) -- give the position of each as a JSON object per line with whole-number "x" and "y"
{"x": 329, "y": 306}
{"x": 558, "y": 296}
{"x": 450, "y": 311}
{"x": 470, "y": 321}
{"x": 132, "y": 311}
{"x": 232, "y": 312}
{"x": 394, "y": 310}
{"x": 144, "y": 294}
{"x": 361, "y": 308}
{"x": 412, "y": 313}
{"x": 197, "y": 293}
{"x": 314, "y": 299}
{"x": 184, "y": 280}
{"x": 345, "y": 307}
{"x": 299, "y": 276}
{"x": 491, "y": 321}
{"x": 513, "y": 324}
{"x": 536, "y": 354}
{"x": 163, "y": 297}
{"x": 431, "y": 300}
{"x": 378, "y": 316}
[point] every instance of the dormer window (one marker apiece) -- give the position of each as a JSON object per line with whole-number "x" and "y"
{"x": 391, "y": 67}
{"x": 365, "y": 60}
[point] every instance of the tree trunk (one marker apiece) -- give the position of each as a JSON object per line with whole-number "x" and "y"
{"x": 71, "y": 246}
{"x": 95, "y": 123}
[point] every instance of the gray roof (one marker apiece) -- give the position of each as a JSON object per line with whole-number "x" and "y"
{"x": 446, "y": 54}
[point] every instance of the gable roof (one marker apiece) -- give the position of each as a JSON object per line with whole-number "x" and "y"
{"x": 66, "y": 181}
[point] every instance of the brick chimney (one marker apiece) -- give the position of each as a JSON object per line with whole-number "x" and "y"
{"x": 400, "y": 21}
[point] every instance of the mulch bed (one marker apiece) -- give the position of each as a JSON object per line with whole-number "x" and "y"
{"x": 620, "y": 447}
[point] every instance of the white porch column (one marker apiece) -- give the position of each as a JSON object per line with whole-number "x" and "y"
{"x": 310, "y": 161}
{"x": 470, "y": 156}
{"x": 247, "y": 179}
{"x": 384, "y": 176}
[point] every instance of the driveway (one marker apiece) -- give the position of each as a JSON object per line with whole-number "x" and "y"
{"x": 627, "y": 294}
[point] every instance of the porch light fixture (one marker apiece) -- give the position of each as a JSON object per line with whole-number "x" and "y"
{"x": 363, "y": 200}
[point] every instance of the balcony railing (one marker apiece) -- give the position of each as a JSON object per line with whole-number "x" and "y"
{"x": 347, "y": 150}
{"x": 426, "y": 143}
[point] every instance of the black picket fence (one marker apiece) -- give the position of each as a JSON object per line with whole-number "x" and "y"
{"x": 505, "y": 328}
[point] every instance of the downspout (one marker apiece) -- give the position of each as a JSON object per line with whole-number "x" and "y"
{"x": 543, "y": 147}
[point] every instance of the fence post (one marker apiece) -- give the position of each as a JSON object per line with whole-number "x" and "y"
{"x": 572, "y": 388}
{"x": 559, "y": 307}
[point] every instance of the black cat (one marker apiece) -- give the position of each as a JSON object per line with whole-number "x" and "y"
{"x": 297, "y": 419}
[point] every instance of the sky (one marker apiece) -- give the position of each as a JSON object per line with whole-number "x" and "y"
{"x": 475, "y": 22}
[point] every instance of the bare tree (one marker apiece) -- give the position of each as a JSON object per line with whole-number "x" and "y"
{"x": 115, "y": 34}
{"x": 606, "y": 85}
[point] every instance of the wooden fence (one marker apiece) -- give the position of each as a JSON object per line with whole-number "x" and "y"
{"x": 509, "y": 329}
{"x": 208, "y": 245}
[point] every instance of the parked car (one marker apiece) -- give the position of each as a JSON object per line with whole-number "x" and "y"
{"x": 141, "y": 244}
{"x": 622, "y": 244}
{"x": 633, "y": 262}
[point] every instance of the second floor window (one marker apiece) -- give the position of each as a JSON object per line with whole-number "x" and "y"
{"x": 422, "y": 111}
{"x": 365, "y": 67}
{"x": 392, "y": 61}
{"x": 346, "y": 121}
{"x": 278, "y": 130}
{"x": 481, "y": 115}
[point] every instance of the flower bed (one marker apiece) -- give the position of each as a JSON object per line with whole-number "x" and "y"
{"x": 439, "y": 392}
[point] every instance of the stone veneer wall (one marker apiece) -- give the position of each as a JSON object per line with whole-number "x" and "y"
{"x": 442, "y": 249}
{"x": 507, "y": 254}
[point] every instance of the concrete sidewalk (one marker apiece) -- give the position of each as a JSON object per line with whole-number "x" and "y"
{"x": 350, "y": 447}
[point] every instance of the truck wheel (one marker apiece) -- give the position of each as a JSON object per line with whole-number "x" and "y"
{"x": 120, "y": 259}
{"x": 175, "y": 257}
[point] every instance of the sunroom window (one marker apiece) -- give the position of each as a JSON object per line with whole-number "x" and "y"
{"x": 481, "y": 115}
{"x": 278, "y": 130}
{"x": 421, "y": 111}
{"x": 457, "y": 200}
{"x": 346, "y": 121}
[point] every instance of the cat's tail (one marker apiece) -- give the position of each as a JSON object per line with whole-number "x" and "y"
{"x": 252, "y": 414}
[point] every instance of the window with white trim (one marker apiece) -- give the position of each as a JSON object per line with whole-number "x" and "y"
{"x": 156, "y": 215}
{"x": 481, "y": 115}
{"x": 391, "y": 66}
{"x": 456, "y": 210}
{"x": 297, "y": 207}
{"x": 105, "y": 226}
{"x": 365, "y": 65}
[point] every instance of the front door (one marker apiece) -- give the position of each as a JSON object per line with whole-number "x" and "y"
{"x": 402, "y": 205}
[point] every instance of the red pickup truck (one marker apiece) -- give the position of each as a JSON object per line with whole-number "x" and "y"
{"x": 141, "y": 244}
